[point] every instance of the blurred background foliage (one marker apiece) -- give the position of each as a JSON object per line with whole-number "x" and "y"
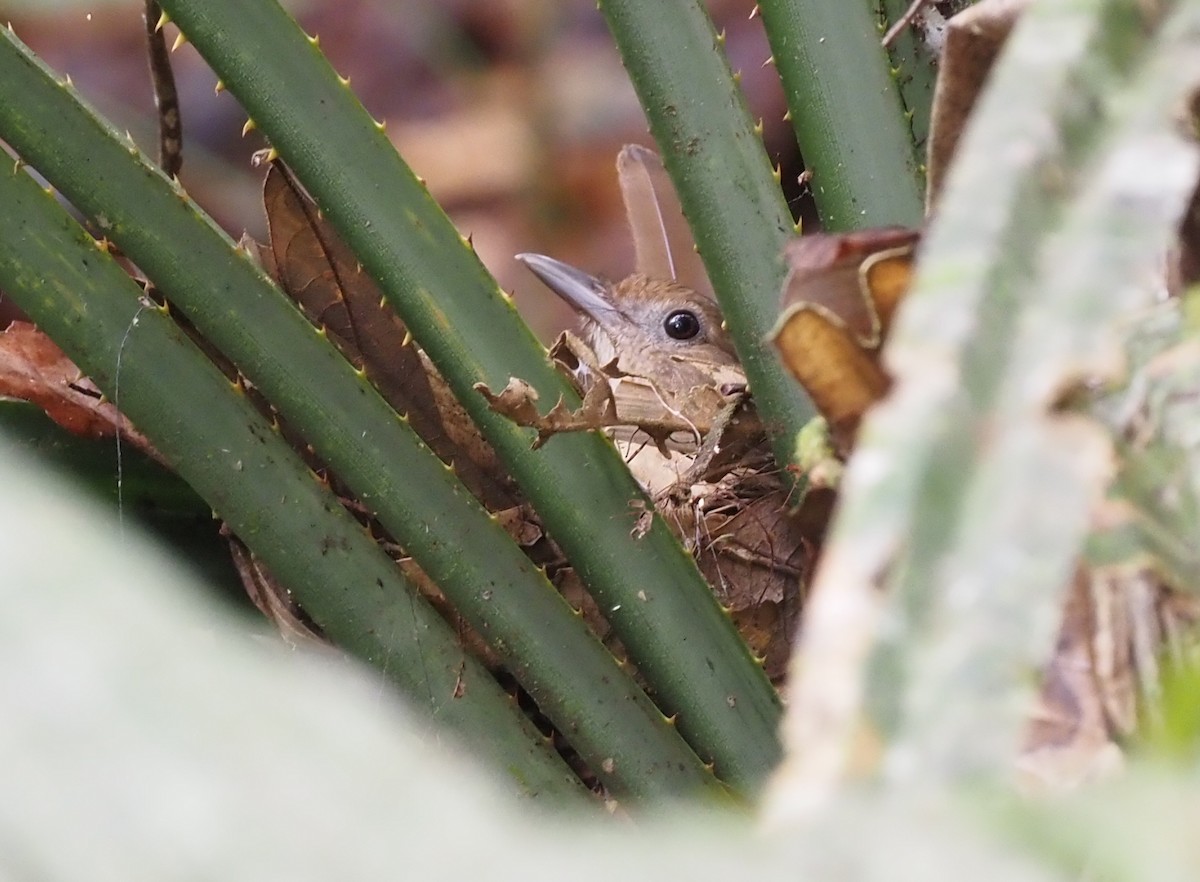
{"x": 512, "y": 111}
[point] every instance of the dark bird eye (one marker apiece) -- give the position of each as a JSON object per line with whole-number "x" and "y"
{"x": 682, "y": 324}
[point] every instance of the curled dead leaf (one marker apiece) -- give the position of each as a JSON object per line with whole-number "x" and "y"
{"x": 973, "y": 40}
{"x": 316, "y": 269}
{"x": 839, "y": 298}
{"x": 34, "y": 369}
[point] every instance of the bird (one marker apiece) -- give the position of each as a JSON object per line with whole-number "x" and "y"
{"x": 660, "y": 329}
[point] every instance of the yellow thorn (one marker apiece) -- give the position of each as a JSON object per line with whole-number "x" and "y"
{"x": 67, "y": 81}
{"x": 219, "y": 87}
{"x": 272, "y": 154}
{"x": 787, "y": 116}
{"x": 721, "y": 38}
{"x": 381, "y": 125}
{"x": 754, "y": 12}
{"x": 758, "y": 127}
{"x": 737, "y": 77}
{"x": 408, "y": 338}
{"x": 314, "y": 40}
{"x": 345, "y": 81}
{"x": 249, "y": 127}
{"x": 777, "y": 173}
{"x": 163, "y": 20}
{"x": 770, "y": 60}
{"x": 361, "y": 373}
{"x": 180, "y": 39}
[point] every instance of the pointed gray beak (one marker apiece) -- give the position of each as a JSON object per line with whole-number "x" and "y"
{"x": 585, "y": 293}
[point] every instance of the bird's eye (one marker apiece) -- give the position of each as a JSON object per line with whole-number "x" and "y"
{"x": 682, "y": 324}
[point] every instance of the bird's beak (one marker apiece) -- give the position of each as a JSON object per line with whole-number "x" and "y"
{"x": 585, "y": 293}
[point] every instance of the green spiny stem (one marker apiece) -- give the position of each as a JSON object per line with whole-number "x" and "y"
{"x": 574, "y": 679}
{"x": 715, "y": 156}
{"x": 914, "y": 65}
{"x": 847, "y": 112}
{"x": 254, "y": 481}
{"x": 646, "y": 584}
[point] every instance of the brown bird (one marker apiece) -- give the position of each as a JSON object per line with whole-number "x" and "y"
{"x": 661, "y": 327}
{"x": 662, "y": 348}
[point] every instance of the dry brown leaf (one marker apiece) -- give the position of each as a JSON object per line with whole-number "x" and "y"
{"x": 518, "y": 402}
{"x": 34, "y": 369}
{"x": 662, "y": 239}
{"x": 1068, "y": 739}
{"x": 757, "y": 559}
{"x": 974, "y": 38}
{"x": 839, "y": 297}
{"x": 617, "y": 400}
{"x": 316, "y": 269}
{"x": 273, "y": 600}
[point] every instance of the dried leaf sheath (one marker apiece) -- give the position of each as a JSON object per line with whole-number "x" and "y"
{"x": 662, "y": 239}
{"x": 316, "y": 268}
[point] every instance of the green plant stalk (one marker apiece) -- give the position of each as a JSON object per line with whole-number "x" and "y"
{"x": 715, "y": 156}
{"x": 648, "y": 587}
{"x": 847, "y": 111}
{"x": 967, "y": 502}
{"x": 229, "y": 453}
{"x": 574, "y": 679}
{"x": 914, "y": 67}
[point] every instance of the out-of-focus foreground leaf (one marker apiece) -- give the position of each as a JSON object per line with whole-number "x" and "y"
{"x": 288, "y": 764}
{"x": 969, "y": 498}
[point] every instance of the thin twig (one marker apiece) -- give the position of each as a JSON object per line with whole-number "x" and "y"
{"x": 166, "y": 99}
{"x": 904, "y": 21}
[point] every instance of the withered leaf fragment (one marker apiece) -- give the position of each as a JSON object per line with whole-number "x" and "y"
{"x": 34, "y": 369}
{"x": 839, "y": 297}
{"x": 316, "y": 269}
{"x": 974, "y": 38}
{"x": 662, "y": 239}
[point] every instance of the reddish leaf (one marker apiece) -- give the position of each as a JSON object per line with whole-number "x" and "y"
{"x": 34, "y": 369}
